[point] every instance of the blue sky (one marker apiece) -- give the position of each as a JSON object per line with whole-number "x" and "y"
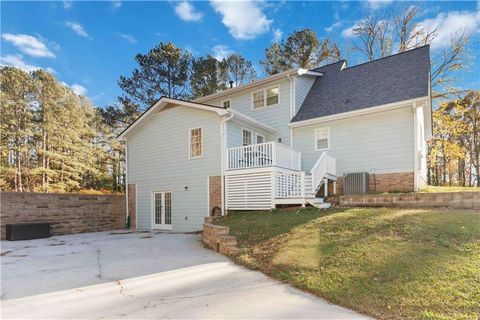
{"x": 88, "y": 45}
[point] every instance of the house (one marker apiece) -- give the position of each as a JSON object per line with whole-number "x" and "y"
{"x": 289, "y": 138}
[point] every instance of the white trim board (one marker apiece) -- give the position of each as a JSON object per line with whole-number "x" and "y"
{"x": 359, "y": 112}
{"x": 260, "y": 82}
{"x": 162, "y": 103}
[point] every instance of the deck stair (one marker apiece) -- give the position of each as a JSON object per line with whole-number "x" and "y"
{"x": 303, "y": 187}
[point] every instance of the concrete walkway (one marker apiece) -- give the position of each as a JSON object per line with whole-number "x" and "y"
{"x": 142, "y": 275}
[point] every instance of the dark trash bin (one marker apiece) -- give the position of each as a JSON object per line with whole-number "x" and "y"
{"x": 27, "y": 231}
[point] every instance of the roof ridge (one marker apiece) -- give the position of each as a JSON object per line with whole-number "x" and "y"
{"x": 330, "y": 64}
{"x": 390, "y": 56}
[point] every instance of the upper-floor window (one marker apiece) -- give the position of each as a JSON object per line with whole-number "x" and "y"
{"x": 196, "y": 143}
{"x": 265, "y": 97}
{"x": 246, "y": 137}
{"x": 260, "y": 138}
{"x": 322, "y": 139}
{"x": 226, "y": 103}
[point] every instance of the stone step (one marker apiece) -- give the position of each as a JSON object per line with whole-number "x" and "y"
{"x": 227, "y": 240}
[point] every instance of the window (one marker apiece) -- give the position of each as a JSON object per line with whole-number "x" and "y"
{"x": 246, "y": 137}
{"x": 258, "y": 100}
{"x": 322, "y": 139}
{"x": 265, "y": 98}
{"x": 196, "y": 143}
{"x": 272, "y": 96}
{"x": 260, "y": 138}
{"x": 226, "y": 104}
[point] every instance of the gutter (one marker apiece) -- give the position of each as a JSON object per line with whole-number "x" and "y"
{"x": 278, "y": 76}
{"x": 223, "y": 127}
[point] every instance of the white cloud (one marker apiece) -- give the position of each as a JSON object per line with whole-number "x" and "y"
{"x": 348, "y": 32}
{"x": 187, "y": 12}
{"x": 334, "y": 26}
{"x": 78, "y": 89}
{"x": 277, "y": 35}
{"x": 116, "y": 4}
{"x": 221, "y": 51}
{"x": 244, "y": 19}
{"x": 67, "y": 4}
{"x": 17, "y": 62}
{"x": 377, "y": 4}
{"x": 29, "y": 45}
{"x": 77, "y": 28}
{"x": 128, "y": 37}
{"x": 449, "y": 23}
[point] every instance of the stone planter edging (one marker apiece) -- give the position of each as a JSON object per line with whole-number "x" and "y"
{"x": 217, "y": 238}
{"x": 452, "y": 200}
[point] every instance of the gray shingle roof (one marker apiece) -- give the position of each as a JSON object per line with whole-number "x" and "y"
{"x": 399, "y": 77}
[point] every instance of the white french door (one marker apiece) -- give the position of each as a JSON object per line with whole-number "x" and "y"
{"x": 162, "y": 210}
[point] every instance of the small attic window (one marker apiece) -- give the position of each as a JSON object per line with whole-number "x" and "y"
{"x": 322, "y": 139}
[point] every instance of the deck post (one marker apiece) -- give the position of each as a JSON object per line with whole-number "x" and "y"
{"x": 326, "y": 187}
{"x": 334, "y": 187}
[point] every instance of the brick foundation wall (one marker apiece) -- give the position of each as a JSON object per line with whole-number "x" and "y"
{"x": 453, "y": 200}
{"x": 132, "y": 205}
{"x": 67, "y": 213}
{"x": 218, "y": 239}
{"x": 215, "y": 192}
{"x": 383, "y": 182}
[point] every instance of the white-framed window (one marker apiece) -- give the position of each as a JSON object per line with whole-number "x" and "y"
{"x": 258, "y": 99}
{"x": 272, "y": 96}
{"x": 195, "y": 143}
{"x": 265, "y": 97}
{"x": 260, "y": 138}
{"x": 247, "y": 136}
{"x": 322, "y": 139}
{"x": 226, "y": 103}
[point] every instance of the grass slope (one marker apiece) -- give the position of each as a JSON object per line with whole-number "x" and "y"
{"x": 388, "y": 263}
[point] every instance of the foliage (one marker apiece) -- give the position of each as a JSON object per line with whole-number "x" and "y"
{"x": 454, "y": 151}
{"x": 51, "y": 138}
{"x": 237, "y": 70}
{"x": 163, "y": 71}
{"x": 377, "y": 36}
{"x": 301, "y": 49}
{"x": 207, "y": 77}
{"x": 387, "y": 263}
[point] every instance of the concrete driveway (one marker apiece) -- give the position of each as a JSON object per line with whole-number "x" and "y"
{"x": 142, "y": 275}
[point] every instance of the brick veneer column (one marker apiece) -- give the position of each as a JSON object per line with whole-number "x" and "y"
{"x": 215, "y": 192}
{"x": 132, "y": 205}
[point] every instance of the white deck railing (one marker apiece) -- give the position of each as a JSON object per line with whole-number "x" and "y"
{"x": 324, "y": 167}
{"x": 263, "y": 155}
{"x": 289, "y": 185}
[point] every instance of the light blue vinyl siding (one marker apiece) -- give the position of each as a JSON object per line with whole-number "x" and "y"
{"x": 303, "y": 84}
{"x": 158, "y": 160}
{"x": 380, "y": 143}
{"x": 234, "y": 134}
{"x": 277, "y": 116}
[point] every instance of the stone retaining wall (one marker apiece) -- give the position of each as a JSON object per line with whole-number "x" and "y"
{"x": 67, "y": 213}
{"x": 454, "y": 200}
{"x": 218, "y": 239}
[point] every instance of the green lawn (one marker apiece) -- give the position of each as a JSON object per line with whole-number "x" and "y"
{"x": 387, "y": 263}
{"x": 438, "y": 189}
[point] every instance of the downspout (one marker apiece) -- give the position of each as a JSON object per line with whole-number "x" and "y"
{"x": 292, "y": 104}
{"x": 126, "y": 188}
{"x": 223, "y": 140}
